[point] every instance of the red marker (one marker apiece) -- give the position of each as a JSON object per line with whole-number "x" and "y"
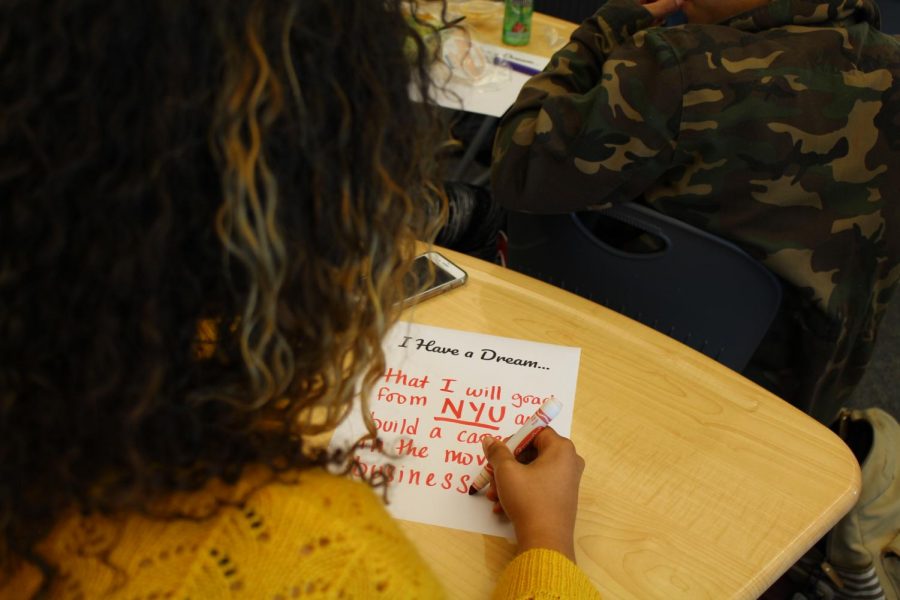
{"x": 520, "y": 439}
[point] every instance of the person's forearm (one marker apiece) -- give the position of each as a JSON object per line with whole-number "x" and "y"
{"x": 535, "y": 538}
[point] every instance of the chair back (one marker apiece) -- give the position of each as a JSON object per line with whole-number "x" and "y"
{"x": 697, "y": 288}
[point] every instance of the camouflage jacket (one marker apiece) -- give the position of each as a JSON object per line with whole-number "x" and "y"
{"x": 778, "y": 129}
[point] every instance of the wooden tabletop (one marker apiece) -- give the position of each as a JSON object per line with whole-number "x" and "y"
{"x": 698, "y": 484}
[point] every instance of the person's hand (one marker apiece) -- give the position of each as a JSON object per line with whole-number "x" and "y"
{"x": 660, "y": 9}
{"x": 541, "y": 497}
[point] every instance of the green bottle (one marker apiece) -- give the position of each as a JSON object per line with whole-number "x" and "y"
{"x": 517, "y": 22}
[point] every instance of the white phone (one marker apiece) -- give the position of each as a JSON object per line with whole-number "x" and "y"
{"x": 430, "y": 275}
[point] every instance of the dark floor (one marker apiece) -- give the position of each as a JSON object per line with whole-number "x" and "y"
{"x": 879, "y": 386}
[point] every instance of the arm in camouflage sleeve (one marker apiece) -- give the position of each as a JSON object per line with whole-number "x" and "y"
{"x": 598, "y": 125}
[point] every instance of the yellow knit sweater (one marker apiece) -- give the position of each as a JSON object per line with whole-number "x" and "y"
{"x": 317, "y": 536}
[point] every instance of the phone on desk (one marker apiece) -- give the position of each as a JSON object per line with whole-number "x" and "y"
{"x": 430, "y": 275}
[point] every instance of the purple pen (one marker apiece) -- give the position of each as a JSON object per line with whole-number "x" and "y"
{"x": 517, "y": 67}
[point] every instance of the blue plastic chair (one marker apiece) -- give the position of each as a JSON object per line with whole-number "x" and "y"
{"x": 697, "y": 288}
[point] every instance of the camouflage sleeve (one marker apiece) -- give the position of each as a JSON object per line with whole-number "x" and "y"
{"x": 598, "y": 125}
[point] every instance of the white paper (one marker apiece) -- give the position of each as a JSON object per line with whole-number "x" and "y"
{"x": 499, "y": 90}
{"x": 523, "y": 58}
{"x": 443, "y": 390}
{"x": 491, "y": 100}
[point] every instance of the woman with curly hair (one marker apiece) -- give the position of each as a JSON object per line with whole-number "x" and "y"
{"x": 206, "y": 212}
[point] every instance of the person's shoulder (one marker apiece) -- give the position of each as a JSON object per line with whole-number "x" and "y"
{"x": 695, "y": 34}
{"x": 651, "y": 45}
{"x": 711, "y": 47}
{"x": 679, "y": 43}
{"x": 317, "y": 489}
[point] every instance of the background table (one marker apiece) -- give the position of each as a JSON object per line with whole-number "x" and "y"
{"x": 698, "y": 484}
{"x": 549, "y": 34}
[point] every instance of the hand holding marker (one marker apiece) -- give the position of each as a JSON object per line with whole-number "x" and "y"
{"x": 520, "y": 439}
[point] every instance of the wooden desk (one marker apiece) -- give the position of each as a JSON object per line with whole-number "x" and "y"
{"x": 698, "y": 484}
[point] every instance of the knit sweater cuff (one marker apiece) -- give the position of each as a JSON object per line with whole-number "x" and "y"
{"x": 542, "y": 573}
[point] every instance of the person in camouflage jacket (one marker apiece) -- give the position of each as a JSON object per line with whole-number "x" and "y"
{"x": 777, "y": 129}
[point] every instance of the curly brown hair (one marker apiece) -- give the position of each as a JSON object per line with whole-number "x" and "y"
{"x": 206, "y": 211}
